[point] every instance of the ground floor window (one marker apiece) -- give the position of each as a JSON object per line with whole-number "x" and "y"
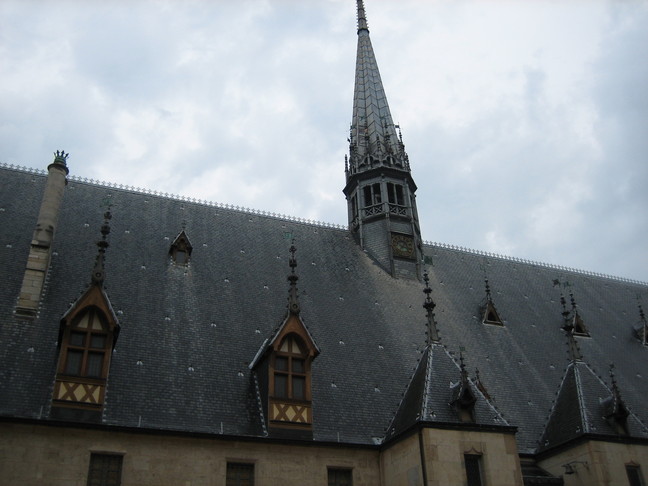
{"x": 105, "y": 470}
{"x": 634, "y": 475}
{"x": 473, "y": 469}
{"x": 240, "y": 474}
{"x": 340, "y": 477}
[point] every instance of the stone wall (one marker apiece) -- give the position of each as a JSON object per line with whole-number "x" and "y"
{"x": 57, "y": 456}
{"x": 597, "y": 463}
{"x": 444, "y": 455}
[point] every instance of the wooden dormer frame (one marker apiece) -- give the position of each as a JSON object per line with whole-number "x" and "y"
{"x": 285, "y": 410}
{"x": 180, "y": 250}
{"x": 88, "y": 328}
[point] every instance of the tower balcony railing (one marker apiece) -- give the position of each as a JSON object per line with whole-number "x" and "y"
{"x": 373, "y": 210}
{"x": 398, "y": 209}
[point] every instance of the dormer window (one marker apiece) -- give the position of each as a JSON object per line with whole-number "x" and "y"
{"x": 290, "y": 376}
{"x": 85, "y": 346}
{"x": 490, "y": 315}
{"x": 579, "y": 326}
{"x": 180, "y": 250}
{"x": 87, "y": 337}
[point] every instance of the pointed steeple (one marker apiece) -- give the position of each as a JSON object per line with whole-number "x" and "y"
{"x": 379, "y": 185}
{"x": 374, "y": 140}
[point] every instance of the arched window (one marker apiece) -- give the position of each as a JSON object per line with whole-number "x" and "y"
{"x": 85, "y": 346}
{"x": 290, "y": 370}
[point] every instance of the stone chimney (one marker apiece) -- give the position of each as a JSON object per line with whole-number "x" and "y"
{"x": 40, "y": 251}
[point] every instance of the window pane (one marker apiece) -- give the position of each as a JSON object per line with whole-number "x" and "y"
{"x": 98, "y": 341}
{"x": 240, "y": 474}
{"x": 281, "y": 363}
{"x": 281, "y": 386}
{"x": 298, "y": 365}
{"x": 73, "y": 362}
{"x": 180, "y": 257}
{"x": 105, "y": 470}
{"x": 95, "y": 362}
{"x": 340, "y": 477}
{"x": 473, "y": 470}
{"x": 299, "y": 384}
{"x": 77, "y": 338}
{"x": 634, "y": 475}
{"x": 399, "y": 195}
{"x": 367, "y": 195}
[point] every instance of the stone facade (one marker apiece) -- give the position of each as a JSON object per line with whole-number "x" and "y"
{"x": 32, "y": 455}
{"x": 444, "y": 451}
{"x": 596, "y": 462}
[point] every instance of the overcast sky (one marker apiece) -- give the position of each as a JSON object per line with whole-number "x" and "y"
{"x": 526, "y": 122}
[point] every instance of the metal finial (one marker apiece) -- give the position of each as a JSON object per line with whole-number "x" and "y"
{"x": 642, "y": 315}
{"x": 565, "y": 312}
{"x": 293, "y": 296}
{"x": 462, "y": 366}
{"x": 569, "y": 328}
{"x": 488, "y": 292}
{"x": 432, "y": 334}
{"x": 573, "y": 300}
{"x": 98, "y": 272}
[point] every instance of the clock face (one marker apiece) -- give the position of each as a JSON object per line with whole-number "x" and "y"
{"x": 403, "y": 246}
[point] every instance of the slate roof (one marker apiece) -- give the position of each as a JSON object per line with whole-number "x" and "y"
{"x": 581, "y": 407}
{"x": 434, "y": 385}
{"x": 196, "y": 329}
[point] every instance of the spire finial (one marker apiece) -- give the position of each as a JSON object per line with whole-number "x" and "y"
{"x": 362, "y": 17}
{"x": 432, "y": 334}
{"x": 99, "y": 273}
{"x": 293, "y": 296}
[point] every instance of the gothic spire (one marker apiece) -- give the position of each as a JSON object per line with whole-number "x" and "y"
{"x": 374, "y": 140}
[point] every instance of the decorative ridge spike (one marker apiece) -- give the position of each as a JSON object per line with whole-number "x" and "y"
{"x": 432, "y": 334}
{"x": 293, "y": 296}
{"x": 362, "y": 17}
{"x": 99, "y": 273}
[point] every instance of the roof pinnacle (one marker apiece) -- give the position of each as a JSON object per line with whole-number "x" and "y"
{"x": 293, "y": 296}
